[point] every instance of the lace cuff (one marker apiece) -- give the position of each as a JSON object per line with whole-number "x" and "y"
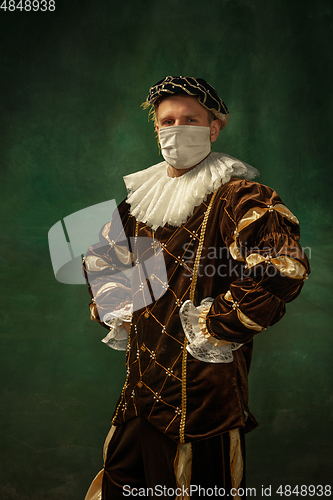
{"x": 125, "y": 313}
{"x": 117, "y": 338}
{"x": 202, "y": 345}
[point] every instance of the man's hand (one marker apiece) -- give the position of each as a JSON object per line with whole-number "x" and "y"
{"x": 127, "y": 325}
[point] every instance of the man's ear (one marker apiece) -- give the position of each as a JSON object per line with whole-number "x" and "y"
{"x": 215, "y": 128}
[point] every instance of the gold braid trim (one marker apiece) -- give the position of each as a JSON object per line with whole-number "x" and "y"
{"x": 127, "y": 376}
{"x": 192, "y": 292}
{"x": 127, "y": 353}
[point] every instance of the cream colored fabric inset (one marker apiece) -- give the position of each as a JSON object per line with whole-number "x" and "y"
{"x": 289, "y": 267}
{"x": 95, "y": 263}
{"x": 256, "y": 213}
{"x": 236, "y": 460}
{"x": 286, "y": 212}
{"x": 95, "y": 490}
{"x": 123, "y": 254}
{"x": 286, "y": 265}
{"x": 251, "y": 216}
{"x": 108, "y": 287}
{"x": 245, "y": 320}
{"x": 235, "y": 253}
{"x": 183, "y": 468}
{"x": 107, "y": 441}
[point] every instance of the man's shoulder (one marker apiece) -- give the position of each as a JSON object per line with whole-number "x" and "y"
{"x": 238, "y": 185}
{"x": 238, "y": 196}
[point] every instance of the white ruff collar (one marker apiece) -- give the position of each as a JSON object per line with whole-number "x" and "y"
{"x": 157, "y": 199}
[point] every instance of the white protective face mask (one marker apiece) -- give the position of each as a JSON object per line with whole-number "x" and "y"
{"x": 184, "y": 146}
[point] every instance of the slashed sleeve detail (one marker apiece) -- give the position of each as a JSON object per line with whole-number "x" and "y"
{"x": 107, "y": 267}
{"x": 262, "y": 233}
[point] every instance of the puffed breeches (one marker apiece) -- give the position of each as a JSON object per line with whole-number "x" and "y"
{"x": 142, "y": 462}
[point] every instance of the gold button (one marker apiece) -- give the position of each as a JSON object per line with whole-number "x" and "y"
{"x": 146, "y": 314}
{"x": 139, "y": 384}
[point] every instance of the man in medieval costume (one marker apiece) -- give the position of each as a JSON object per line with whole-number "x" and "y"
{"x": 230, "y": 250}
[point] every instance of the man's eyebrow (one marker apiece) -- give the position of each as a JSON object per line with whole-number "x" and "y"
{"x": 169, "y": 116}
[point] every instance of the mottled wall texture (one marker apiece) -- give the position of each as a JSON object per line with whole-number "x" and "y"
{"x": 71, "y": 126}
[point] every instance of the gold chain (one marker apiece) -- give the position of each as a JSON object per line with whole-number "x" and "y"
{"x": 127, "y": 375}
{"x": 128, "y": 352}
{"x": 192, "y": 292}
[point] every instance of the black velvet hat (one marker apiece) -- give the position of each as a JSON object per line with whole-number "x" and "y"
{"x": 187, "y": 85}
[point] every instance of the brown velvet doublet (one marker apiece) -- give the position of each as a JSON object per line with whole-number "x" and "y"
{"x": 251, "y": 264}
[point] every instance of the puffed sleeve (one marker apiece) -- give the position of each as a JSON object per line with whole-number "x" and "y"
{"x": 260, "y": 231}
{"x": 107, "y": 268}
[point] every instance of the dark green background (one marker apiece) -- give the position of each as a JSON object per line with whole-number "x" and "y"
{"x": 72, "y": 82}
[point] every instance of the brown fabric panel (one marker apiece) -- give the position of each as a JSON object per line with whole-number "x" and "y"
{"x": 256, "y": 302}
{"x": 139, "y": 456}
{"x": 142, "y": 457}
{"x": 216, "y": 393}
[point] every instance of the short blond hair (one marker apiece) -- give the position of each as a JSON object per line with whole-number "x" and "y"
{"x": 152, "y": 111}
